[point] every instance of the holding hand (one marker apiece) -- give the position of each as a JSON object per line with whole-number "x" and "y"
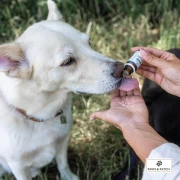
{"x": 161, "y": 67}
{"x": 129, "y": 113}
{"x": 126, "y": 108}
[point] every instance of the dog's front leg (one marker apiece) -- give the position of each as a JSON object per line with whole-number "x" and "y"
{"x": 61, "y": 159}
{"x": 20, "y": 172}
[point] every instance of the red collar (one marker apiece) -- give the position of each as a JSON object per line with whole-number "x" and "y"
{"x": 33, "y": 118}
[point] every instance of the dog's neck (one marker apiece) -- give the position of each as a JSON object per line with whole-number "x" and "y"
{"x": 23, "y": 95}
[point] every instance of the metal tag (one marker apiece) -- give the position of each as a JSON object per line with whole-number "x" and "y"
{"x": 63, "y": 119}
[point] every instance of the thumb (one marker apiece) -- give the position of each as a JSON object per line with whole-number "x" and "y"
{"x": 98, "y": 115}
{"x": 153, "y": 60}
{"x": 106, "y": 116}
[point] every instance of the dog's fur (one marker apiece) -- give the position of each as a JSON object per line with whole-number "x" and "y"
{"x": 38, "y": 71}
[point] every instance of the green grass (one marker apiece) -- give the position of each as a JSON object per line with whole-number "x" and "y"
{"x": 97, "y": 150}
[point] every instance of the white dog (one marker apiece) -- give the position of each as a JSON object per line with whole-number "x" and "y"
{"x": 38, "y": 72}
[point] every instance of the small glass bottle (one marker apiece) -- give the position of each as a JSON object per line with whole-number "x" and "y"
{"x": 132, "y": 64}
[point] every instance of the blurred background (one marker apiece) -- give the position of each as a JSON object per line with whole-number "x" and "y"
{"x": 97, "y": 150}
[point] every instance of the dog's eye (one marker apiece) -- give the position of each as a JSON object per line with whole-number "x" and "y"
{"x": 68, "y": 62}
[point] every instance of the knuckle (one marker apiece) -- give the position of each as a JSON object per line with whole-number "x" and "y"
{"x": 173, "y": 55}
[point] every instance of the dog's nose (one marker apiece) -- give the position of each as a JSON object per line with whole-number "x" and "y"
{"x": 119, "y": 67}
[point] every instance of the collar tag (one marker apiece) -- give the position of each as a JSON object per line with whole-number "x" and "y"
{"x": 63, "y": 119}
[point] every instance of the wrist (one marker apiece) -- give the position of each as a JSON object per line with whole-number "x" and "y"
{"x": 142, "y": 138}
{"x": 141, "y": 130}
{"x": 134, "y": 126}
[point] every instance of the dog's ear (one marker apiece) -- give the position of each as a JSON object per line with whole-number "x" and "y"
{"x": 54, "y": 13}
{"x": 13, "y": 62}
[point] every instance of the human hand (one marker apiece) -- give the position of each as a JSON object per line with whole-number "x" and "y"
{"x": 161, "y": 67}
{"x": 129, "y": 113}
{"x": 126, "y": 108}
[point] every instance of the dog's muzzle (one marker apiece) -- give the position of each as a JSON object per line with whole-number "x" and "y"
{"x": 118, "y": 72}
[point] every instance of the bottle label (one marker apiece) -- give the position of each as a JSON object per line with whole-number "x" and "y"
{"x": 136, "y": 59}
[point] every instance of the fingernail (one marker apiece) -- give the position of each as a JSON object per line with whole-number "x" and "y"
{"x": 143, "y": 52}
{"x": 91, "y": 118}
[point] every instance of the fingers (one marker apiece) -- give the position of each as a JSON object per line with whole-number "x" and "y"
{"x": 115, "y": 93}
{"x": 147, "y": 74}
{"x": 125, "y": 93}
{"x": 106, "y": 116}
{"x": 153, "y": 60}
{"x": 137, "y": 92}
{"x": 102, "y": 115}
{"x": 153, "y": 51}
{"x": 97, "y": 115}
{"x": 148, "y": 68}
{"x": 134, "y": 92}
{"x": 129, "y": 93}
{"x": 122, "y": 93}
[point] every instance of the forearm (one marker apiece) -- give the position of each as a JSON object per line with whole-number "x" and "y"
{"x": 142, "y": 138}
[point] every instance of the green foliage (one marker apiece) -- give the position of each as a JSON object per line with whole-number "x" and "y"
{"x": 98, "y": 150}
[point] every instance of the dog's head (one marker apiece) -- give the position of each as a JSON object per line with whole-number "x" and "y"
{"x": 56, "y": 56}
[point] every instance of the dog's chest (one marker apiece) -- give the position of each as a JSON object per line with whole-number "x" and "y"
{"x": 44, "y": 146}
{"x": 45, "y": 140}
{"x": 41, "y": 156}
{"x": 35, "y": 143}
{"x": 34, "y": 149}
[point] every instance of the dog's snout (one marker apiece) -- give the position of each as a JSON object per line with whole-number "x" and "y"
{"x": 119, "y": 67}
